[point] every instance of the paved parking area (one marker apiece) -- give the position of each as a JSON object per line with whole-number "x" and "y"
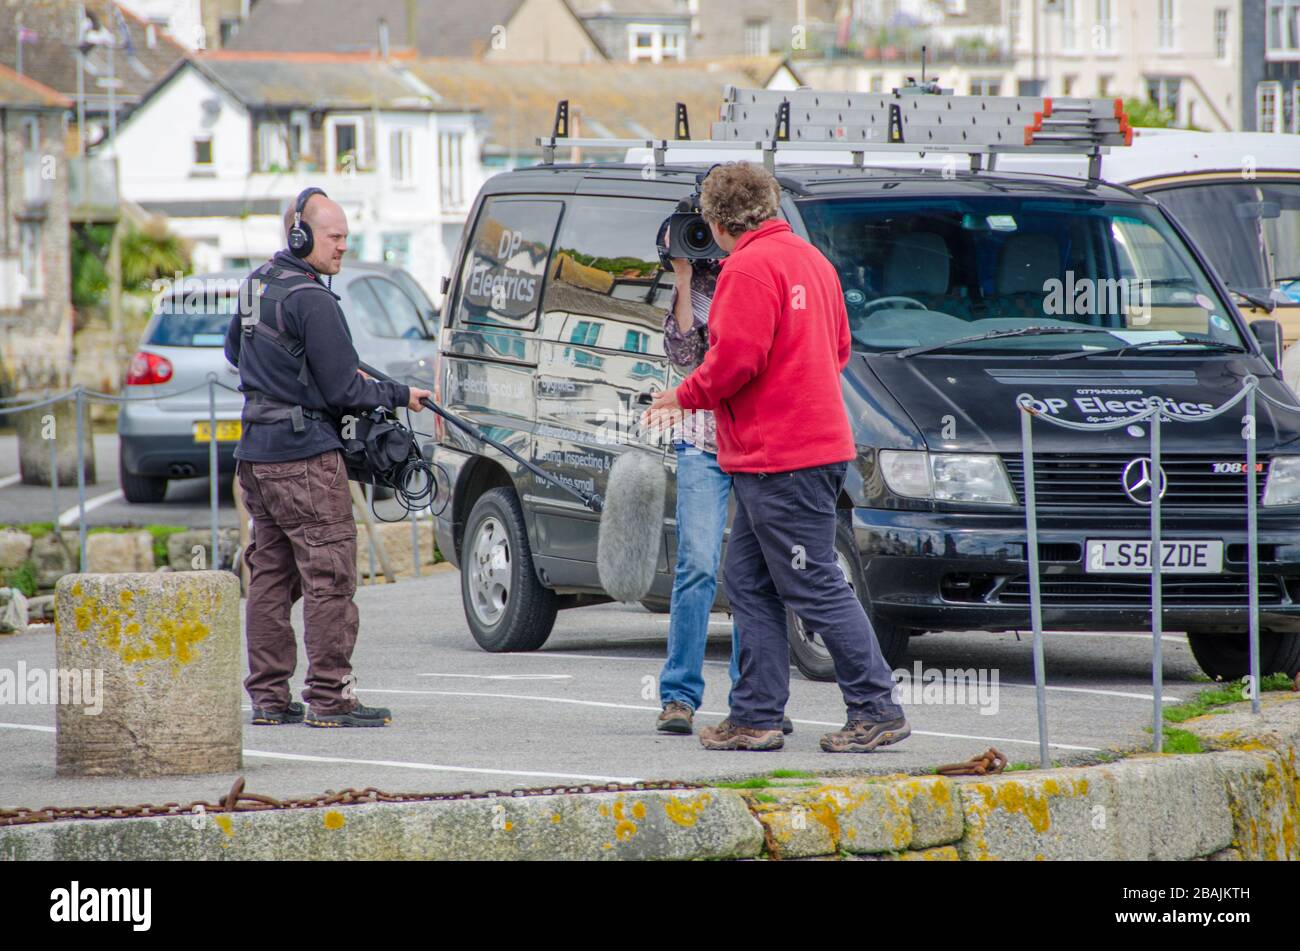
{"x": 582, "y": 709}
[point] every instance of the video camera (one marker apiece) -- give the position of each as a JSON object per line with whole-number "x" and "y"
{"x": 689, "y": 236}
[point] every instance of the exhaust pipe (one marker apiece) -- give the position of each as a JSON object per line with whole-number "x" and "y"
{"x": 180, "y": 470}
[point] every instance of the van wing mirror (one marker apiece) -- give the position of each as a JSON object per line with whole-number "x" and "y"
{"x": 1269, "y": 335}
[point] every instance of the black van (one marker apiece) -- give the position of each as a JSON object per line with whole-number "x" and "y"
{"x": 964, "y": 290}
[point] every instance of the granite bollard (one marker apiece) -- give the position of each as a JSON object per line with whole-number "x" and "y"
{"x": 161, "y": 655}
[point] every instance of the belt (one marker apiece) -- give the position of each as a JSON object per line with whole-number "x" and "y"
{"x": 260, "y": 408}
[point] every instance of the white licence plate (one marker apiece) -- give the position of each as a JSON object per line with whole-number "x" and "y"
{"x": 1121, "y": 556}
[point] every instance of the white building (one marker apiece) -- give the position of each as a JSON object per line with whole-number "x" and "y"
{"x": 223, "y": 144}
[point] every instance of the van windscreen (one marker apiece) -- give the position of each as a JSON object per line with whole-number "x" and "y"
{"x": 932, "y": 273}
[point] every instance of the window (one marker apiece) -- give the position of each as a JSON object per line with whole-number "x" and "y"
{"x": 877, "y": 82}
{"x": 31, "y": 278}
{"x": 403, "y": 315}
{"x": 655, "y": 42}
{"x": 395, "y": 249}
{"x": 957, "y": 7}
{"x": 31, "y": 133}
{"x": 367, "y": 312}
{"x": 1103, "y": 84}
{"x": 1013, "y": 22}
{"x": 758, "y": 41}
{"x": 1268, "y": 107}
{"x": 1069, "y": 27}
{"x": 1166, "y": 30}
{"x": 985, "y": 86}
{"x": 1163, "y": 92}
{"x": 451, "y": 169}
{"x": 1295, "y": 107}
{"x": 203, "y": 151}
{"x": 1067, "y": 85}
{"x": 385, "y": 310}
{"x": 1221, "y": 35}
{"x": 1283, "y": 29}
{"x": 299, "y": 137}
{"x": 606, "y": 267}
{"x": 401, "y": 157}
{"x": 345, "y": 140}
{"x": 1104, "y": 30}
{"x": 272, "y": 147}
{"x": 501, "y": 282}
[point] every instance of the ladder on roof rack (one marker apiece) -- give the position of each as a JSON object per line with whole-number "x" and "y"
{"x": 811, "y": 120}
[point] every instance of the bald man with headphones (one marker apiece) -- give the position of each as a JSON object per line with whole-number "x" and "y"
{"x": 299, "y": 374}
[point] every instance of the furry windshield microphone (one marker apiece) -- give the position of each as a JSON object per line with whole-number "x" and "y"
{"x": 631, "y": 524}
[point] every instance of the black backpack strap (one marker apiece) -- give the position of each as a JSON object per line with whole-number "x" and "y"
{"x": 274, "y": 287}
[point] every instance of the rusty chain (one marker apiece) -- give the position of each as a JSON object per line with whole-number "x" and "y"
{"x": 990, "y": 761}
{"x": 237, "y": 800}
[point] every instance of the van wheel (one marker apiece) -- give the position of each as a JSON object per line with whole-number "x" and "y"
{"x": 507, "y": 608}
{"x": 1227, "y": 656}
{"x": 808, "y": 650}
{"x": 139, "y": 489}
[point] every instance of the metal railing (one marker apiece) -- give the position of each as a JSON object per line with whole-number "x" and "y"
{"x": 79, "y": 395}
{"x": 1156, "y": 408}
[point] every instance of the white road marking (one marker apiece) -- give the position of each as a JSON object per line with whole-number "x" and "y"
{"x": 504, "y": 676}
{"x": 10, "y": 480}
{"x": 1130, "y": 634}
{"x": 400, "y": 764}
{"x": 70, "y": 516}
{"x": 653, "y": 660}
{"x": 709, "y": 713}
{"x": 724, "y": 663}
{"x": 432, "y": 767}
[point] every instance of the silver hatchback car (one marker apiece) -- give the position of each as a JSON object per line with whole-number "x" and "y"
{"x": 165, "y": 436}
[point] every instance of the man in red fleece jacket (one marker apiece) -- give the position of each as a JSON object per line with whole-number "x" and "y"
{"x": 778, "y": 339}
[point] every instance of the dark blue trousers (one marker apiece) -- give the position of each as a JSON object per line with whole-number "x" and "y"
{"x": 782, "y": 552}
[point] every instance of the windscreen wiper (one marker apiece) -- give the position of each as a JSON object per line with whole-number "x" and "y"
{"x": 1253, "y": 299}
{"x": 1142, "y": 344}
{"x": 996, "y": 334}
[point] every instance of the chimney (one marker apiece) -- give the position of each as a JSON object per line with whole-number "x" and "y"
{"x": 412, "y": 40}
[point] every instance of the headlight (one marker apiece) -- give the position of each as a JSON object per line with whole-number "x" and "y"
{"x": 948, "y": 476}
{"x": 906, "y": 473}
{"x": 961, "y": 477}
{"x": 1283, "y": 484}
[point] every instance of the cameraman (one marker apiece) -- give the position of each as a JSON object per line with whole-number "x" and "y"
{"x": 779, "y": 338}
{"x": 299, "y": 374}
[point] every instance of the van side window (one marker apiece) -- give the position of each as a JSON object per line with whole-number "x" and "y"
{"x": 501, "y": 283}
{"x": 606, "y": 288}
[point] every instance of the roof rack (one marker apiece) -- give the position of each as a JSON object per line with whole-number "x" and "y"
{"x": 912, "y": 119}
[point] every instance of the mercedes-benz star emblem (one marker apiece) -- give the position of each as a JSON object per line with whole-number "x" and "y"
{"x": 1137, "y": 481}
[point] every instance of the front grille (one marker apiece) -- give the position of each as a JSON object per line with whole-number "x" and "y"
{"x": 1066, "y": 480}
{"x": 1099, "y": 591}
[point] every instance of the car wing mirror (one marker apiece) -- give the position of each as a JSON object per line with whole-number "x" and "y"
{"x": 1269, "y": 335}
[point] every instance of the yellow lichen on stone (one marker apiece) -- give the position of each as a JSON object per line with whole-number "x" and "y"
{"x": 624, "y": 828}
{"x": 225, "y": 824}
{"x": 686, "y": 811}
{"x": 170, "y": 633}
{"x": 334, "y": 820}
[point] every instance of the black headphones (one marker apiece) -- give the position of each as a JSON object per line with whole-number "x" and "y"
{"x": 301, "y": 240}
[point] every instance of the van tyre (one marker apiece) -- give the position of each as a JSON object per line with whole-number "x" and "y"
{"x": 140, "y": 489}
{"x": 808, "y": 651}
{"x": 507, "y": 608}
{"x": 1227, "y": 656}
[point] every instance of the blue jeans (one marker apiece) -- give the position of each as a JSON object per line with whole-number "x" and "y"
{"x": 702, "y": 491}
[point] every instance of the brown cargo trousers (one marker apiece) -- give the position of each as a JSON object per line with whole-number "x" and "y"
{"x": 304, "y": 545}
